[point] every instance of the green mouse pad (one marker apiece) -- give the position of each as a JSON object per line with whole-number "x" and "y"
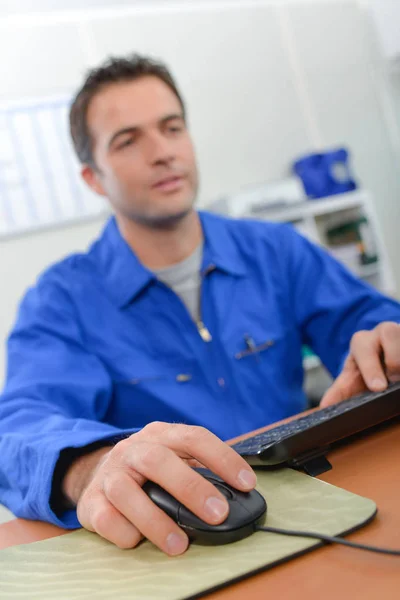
{"x": 83, "y": 566}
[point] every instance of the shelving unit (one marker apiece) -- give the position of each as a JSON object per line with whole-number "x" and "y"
{"x": 313, "y": 208}
{"x": 313, "y": 217}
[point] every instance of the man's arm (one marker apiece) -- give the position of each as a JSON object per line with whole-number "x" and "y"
{"x": 55, "y": 396}
{"x": 79, "y": 473}
{"x": 348, "y": 323}
{"x": 51, "y": 433}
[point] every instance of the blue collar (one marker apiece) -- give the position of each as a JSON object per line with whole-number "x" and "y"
{"x": 125, "y": 276}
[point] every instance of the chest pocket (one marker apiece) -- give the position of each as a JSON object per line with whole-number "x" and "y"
{"x": 268, "y": 372}
{"x": 268, "y": 352}
{"x": 253, "y": 349}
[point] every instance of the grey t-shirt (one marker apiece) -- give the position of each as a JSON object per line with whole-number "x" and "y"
{"x": 184, "y": 279}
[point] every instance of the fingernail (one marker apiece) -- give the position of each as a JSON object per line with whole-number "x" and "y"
{"x": 216, "y": 508}
{"x": 394, "y": 378}
{"x": 378, "y": 384}
{"x": 247, "y": 479}
{"x": 176, "y": 544}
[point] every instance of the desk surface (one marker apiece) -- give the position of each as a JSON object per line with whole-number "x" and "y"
{"x": 369, "y": 467}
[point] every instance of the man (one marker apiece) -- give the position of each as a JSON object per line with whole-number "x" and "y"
{"x": 177, "y": 330}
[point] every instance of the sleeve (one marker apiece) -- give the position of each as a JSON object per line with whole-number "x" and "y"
{"x": 55, "y": 396}
{"x": 330, "y": 303}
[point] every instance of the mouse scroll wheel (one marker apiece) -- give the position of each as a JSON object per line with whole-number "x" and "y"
{"x": 224, "y": 491}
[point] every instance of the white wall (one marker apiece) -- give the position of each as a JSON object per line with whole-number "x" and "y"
{"x": 394, "y": 77}
{"x": 18, "y": 7}
{"x": 264, "y": 82}
{"x": 387, "y": 18}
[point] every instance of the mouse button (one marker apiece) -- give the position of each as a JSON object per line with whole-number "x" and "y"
{"x": 240, "y": 514}
{"x": 258, "y": 502}
{"x": 255, "y": 503}
{"x": 188, "y": 519}
{"x": 225, "y": 491}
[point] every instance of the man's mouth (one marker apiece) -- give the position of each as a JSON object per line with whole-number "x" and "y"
{"x": 167, "y": 184}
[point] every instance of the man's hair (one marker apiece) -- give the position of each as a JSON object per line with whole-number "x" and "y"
{"x": 113, "y": 70}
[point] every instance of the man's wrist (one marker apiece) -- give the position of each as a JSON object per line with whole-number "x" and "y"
{"x": 79, "y": 474}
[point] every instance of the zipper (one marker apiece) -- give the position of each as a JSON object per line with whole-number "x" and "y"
{"x": 201, "y": 328}
{"x": 203, "y": 331}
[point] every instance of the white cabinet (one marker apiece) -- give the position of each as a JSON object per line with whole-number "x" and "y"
{"x": 313, "y": 219}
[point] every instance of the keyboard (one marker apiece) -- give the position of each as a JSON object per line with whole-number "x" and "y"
{"x": 307, "y": 435}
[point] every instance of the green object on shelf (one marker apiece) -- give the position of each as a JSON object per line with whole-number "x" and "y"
{"x": 356, "y": 231}
{"x": 369, "y": 252}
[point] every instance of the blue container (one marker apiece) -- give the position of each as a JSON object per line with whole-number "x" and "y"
{"x": 325, "y": 173}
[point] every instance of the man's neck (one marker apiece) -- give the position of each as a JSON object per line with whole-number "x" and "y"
{"x": 158, "y": 248}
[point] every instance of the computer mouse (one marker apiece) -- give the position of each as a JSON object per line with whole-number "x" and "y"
{"x": 246, "y": 511}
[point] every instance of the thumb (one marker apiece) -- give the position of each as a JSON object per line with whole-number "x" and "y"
{"x": 349, "y": 383}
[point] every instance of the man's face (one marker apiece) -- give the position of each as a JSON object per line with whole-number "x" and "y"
{"x": 144, "y": 156}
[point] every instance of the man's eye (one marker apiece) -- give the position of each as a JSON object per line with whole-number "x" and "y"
{"x": 127, "y": 142}
{"x": 175, "y": 129}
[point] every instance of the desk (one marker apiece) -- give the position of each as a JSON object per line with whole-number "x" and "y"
{"x": 368, "y": 466}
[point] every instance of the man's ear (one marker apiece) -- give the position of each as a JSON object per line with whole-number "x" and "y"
{"x": 92, "y": 179}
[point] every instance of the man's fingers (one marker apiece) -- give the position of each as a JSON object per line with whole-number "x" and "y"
{"x": 150, "y": 520}
{"x": 195, "y": 464}
{"x": 349, "y": 383}
{"x": 366, "y": 350}
{"x": 200, "y": 444}
{"x": 100, "y": 516}
{"x": 333, "y": 395}
{"x": 116, "y": 507}
{"x": 390, "y": 342}
{"x": 374, "y": 358}
{"x": 161, "y": 465}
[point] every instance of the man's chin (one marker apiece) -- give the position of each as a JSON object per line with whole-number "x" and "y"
{"x": 162, "y": 221}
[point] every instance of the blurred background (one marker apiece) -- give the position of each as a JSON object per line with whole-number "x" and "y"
{"x": 267, "y": 83}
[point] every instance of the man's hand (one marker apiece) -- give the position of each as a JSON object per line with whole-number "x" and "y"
{"x": 106, "y": 486}
{"x": 373, "y": 361}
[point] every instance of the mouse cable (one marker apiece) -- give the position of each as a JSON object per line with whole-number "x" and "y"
{"x": 329, "y": 539}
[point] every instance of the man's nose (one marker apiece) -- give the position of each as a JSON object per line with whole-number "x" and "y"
{"x": 159, "y": 150}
